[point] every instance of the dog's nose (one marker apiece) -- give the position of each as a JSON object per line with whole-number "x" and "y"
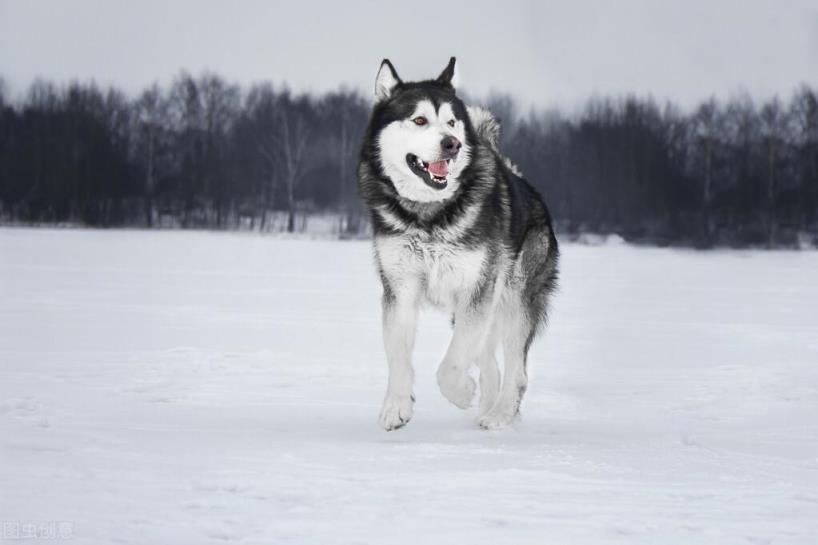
{"x": 450, "y": 145}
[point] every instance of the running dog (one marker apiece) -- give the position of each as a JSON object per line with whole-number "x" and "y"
{"x": 455, "y": 225}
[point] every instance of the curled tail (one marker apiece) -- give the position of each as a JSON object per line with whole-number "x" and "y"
{"x": 489, "y": 130}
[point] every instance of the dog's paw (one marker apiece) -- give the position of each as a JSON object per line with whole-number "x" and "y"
{"x": 460, "y": 393}
{"x": 396, "y": 412}
{"x": 496, "y": 420}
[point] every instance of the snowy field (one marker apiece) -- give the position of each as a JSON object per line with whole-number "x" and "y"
{"x": 197, "y": 388}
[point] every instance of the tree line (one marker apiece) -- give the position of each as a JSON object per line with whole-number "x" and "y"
{"x": 201, "y": 153}
{"x": 204, "y": 152}
{"x": 728, "y": 173}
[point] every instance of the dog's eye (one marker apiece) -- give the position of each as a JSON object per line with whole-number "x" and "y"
{"x": 451, "y": 123}
{"x": 420, "y": 121}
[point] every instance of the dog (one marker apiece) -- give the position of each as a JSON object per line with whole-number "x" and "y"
{"x": 455, "y": 225}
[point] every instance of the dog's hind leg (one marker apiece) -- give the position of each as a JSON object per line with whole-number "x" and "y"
{"x": 517, "y": 336}
{"x": 489, "y": 370}
{"x": 523, "y": 314}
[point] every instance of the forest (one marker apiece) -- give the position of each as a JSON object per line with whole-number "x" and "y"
{"x": 203, "y": 152}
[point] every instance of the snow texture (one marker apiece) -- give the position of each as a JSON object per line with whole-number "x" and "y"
{"x": 193, "y": 387}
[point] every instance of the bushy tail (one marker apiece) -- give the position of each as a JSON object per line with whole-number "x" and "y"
{"x": 489, "y": 130}
{"x": 486, "y": 126}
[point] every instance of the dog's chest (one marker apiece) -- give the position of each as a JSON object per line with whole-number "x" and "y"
{"x": 446, "y": 273}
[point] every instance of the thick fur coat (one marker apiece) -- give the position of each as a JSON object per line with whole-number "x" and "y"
{"x": 456, "y": 226}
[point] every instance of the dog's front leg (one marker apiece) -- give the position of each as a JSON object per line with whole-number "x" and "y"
{"x": 471, "y": 328}
{"x": 400, "y": 310}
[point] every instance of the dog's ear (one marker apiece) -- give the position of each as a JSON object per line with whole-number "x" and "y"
{"x": 386, "y": 81}
{"x": 449, "y": 74}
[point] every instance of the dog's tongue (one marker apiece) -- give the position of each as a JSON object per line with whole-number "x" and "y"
{"x": 439, "y": 169}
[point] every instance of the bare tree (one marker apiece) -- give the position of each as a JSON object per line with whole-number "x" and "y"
{"x": 774, "y": 127}
{"x": 705, "y": 127}
{"x": 742, "y": 130}
{"x": 292, "y": 138}
{"x": 283, "y": 131}
{"x": 151, "y": 111}
{"x": 187, "y": 120}
{"x": 262, "y": 111}
{"x": 343, "y": 118}
{"x": 220, "y": 104}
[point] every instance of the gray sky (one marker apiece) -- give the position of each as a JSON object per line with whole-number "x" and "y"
{"x": 544, "y": 52}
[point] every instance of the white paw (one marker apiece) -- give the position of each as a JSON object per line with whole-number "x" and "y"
{"x": 496, "y": 420}
{"x": 396, "y": 412}
{"x": 460, "y": 393}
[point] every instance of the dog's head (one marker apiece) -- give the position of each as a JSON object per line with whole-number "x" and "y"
{"x": 421, "y": 133}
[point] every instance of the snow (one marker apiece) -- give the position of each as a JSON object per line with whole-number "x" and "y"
{"x": 195, "y": 387}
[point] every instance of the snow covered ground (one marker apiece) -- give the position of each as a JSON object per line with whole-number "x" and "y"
{"x": 193, "y": 387}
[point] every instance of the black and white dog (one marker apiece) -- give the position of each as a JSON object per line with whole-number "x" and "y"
{"x": 457, "y": 226}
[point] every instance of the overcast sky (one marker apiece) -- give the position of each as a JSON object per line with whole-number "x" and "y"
{"x": 543, "y": 52}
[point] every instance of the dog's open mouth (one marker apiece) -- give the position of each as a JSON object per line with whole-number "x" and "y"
{"x": 434, "y": 174}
